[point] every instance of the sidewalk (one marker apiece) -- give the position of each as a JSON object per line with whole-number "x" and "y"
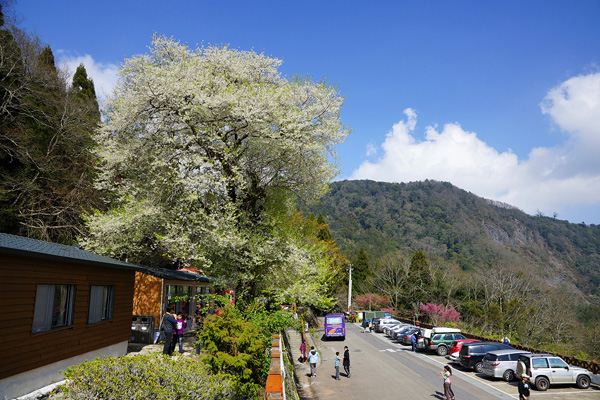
{"x": 302, "y": 370}
{"x": 189, "y": 346}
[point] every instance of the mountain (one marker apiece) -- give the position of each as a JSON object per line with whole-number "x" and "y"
{"x": 458, "y": 228}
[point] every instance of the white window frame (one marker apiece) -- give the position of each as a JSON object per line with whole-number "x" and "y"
{"x": 101, "y": 305}
{"x": 49, "y": 308}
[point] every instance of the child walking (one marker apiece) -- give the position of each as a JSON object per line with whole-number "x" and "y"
{"x": 181, "y": 325}
{"x": 337, "y": 366}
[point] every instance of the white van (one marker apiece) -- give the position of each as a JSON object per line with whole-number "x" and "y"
{"x": 427, "y": 334}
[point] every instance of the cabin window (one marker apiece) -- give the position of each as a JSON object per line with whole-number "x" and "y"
{"x": 101, "y": 303}
{"x": 180, "y": 298}
{"x": 53, "y": 307}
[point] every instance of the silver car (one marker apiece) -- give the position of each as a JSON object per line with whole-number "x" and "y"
{"x": 502, "y": 363}
{"x": 405, "y": 338}
{"x": 387, "y": 329}
{"x": 546, "y": 369}
{"x": 383, "y": 323}
{"x": 396, "y": 334}
{"x": 390, "y": 331}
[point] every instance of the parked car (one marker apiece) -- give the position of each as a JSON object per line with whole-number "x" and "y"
{"x": 375, "y": 322}
{"x": 427, "y": 334}
{"x": 471, "y": 353}
{"x": 395, "y": 328}
{"x": 502, "y": 363}
{"x": 440, "y": 342}
{"x": 546, "y": 369}
{"x": 399, "y": 331}
{"x": 387, "y": 329}
{"x": 405, "y": 337}
{"x": 382, "y": 323}
{"x": 454, "y": 348}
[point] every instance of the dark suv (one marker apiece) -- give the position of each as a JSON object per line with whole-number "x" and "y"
{"x": 471, "y": 353}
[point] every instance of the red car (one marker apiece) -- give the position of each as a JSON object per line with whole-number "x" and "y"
{"x": 455, "y": 348}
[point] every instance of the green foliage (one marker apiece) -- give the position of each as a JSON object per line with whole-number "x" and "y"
{"x": 236, "y": 341}
{"x": 418, "y": 281}
{"x": 235, "y": 347}
{"x": 83, "y": 85}
{"x": 589, "y": 315}
{"x": 323, "y": 232}
{"x": 361, "y": 270}
{"x": 269, "y": 322}
{"x": 84, "y": 90}
{"x": 145, "y": 377}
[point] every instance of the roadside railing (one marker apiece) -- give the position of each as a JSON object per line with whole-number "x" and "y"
{"x": 275, "y": 390}
{"x": 592, "y": 366}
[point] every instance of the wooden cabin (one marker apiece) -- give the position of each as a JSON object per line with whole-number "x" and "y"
{"x": 155, "y": 288}
{"x": 59, "y": 305}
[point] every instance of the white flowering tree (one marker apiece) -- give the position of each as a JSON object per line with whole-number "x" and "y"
{"x": 203, "y": 155}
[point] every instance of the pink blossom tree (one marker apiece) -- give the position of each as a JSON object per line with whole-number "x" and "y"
{"x": 439, "y": 314}
{"x": 371, "y": 301}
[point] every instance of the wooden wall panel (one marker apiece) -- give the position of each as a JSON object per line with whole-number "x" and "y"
{"x": 146, "y": 300}
{"x": 22, "y": 350}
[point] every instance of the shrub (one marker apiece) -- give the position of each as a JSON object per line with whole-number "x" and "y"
{"x": 235, "y": 347}
{"x": 144, "y": 377}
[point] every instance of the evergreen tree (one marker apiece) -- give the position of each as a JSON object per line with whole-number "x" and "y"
{"x": 418, "y": 283}
{"x": 84, "y": 90}
{"x": 360, "y": 270}
{"x": 323, "y": 231}
{"x": 45, "y": 145}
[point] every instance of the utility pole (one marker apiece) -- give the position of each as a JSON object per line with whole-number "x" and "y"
{"x": 349, "y": 287}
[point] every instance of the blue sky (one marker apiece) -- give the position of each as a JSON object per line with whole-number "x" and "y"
{"x": 500, "y": 98}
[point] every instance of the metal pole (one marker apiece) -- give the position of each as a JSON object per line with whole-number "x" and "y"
{"x": 350, "y": 289}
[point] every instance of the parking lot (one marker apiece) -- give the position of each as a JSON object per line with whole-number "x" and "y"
{"x": 506, "y": 388}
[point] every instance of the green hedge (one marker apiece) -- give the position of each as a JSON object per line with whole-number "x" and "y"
{"x": 145, "y": 377}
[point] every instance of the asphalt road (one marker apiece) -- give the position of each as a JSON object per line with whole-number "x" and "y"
{"x": 384, "y": 370}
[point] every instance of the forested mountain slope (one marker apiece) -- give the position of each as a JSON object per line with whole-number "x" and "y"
{"x": 457, "y": 227}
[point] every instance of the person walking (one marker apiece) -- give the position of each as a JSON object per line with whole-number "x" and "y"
{"x": 347, "y": 361}
{"x": 447, "y": 374}
{"x": 303, "y": 351}
{"x": 313, "y": 359}
{"x": 337, "y": 366}
{"x": 413, "y": 341}
{"x": 524, "y": 387}
{"x": 168, "y": 324}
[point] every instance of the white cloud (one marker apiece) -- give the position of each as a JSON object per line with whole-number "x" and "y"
{"x": 104, "y": 75}
{"x": 550, "y": 179}
{"x": 371, "y": 150}
{"x": 574, "y": 106}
